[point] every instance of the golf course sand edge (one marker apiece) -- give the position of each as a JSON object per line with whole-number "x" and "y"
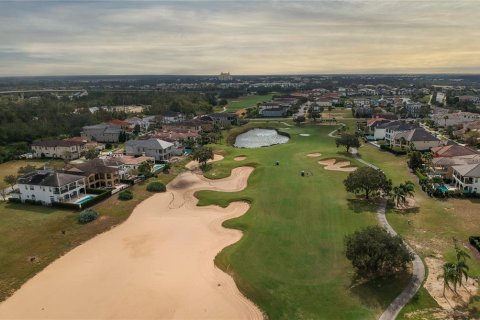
{"x": 159, "y": 264}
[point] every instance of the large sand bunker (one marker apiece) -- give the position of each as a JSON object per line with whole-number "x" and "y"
{"x": 192, "y": 165}
{"x": 314, "y": 155}
{"x": 240, "y": 158}
{"x": 434, "y": 286}
{"x": 156, "y": 265}
{"x": 332, "y": 164}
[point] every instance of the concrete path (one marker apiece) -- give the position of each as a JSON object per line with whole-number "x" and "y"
{"x": 417, "y": 278}
{"x": 418, "y": 275}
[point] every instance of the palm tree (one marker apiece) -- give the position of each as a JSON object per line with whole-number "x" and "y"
{"x": 398, "y": 195}
{"x": 427, "y": 158}
{"x": 445, "y": 118}
{"x": 461, "y": 270}
{"x": 408, "y": 188}
{"x": 449, "y": 276}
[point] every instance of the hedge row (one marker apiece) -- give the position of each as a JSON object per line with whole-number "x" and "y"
{"x": 97, "y": 199}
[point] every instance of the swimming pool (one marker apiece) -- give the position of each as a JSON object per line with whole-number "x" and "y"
{"x": 84, "y": 199}
{"x": 158, "y": 167}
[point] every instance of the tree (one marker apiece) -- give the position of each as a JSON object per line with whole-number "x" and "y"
{"x": 400, "y": 192}
{"x": 368, "y": 180}
{"x": 11, "y": 180}
{"x": 166, "y": 168}
{"x": 91, "y": 154}
{"x": 299, "y": 119}
{"x": 347, "y": 140}
{"x": 373, "y": 251}
{"x": 454, "y": 272}
{"x": 145, "y": 168}
{"x": 27, "y": 169}
{"x": 415, "y": 160}
{"x": 202, "y": 155}
{"x": 472, "y": 138}
{"x": 136, "y": 129}
{"x": 222, "y": 102}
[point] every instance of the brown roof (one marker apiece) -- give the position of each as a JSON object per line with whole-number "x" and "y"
{"x": 95, "y": 166}
{"x": 453, "y": 150}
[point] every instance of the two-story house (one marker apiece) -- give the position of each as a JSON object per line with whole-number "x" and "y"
{"x": 467, "y": 177}
{"x": 63, "y": 149}
{"x": 160, "y": 150}
{"x": 104, "y": 132}
{"x": 48, "y": 186}
{"x": 98, "y": 173}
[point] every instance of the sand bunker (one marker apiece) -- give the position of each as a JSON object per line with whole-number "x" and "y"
{"x": 314, "y": 155}
{"x": 304, "y": 134}
{"x": 240, "y": 158}
{"x": 332, "y": 164}
{"x": 193, "y": 165}
{"x": 434, "y": 285}
{"x": 156, "y": 265}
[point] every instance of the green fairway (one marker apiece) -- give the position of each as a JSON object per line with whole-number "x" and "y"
{"x": 291, "y": 259}
{"x": 247, "y": 102}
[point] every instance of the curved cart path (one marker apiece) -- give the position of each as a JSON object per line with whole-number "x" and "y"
{"x": 159, "y": 264}
{"x": 418, "y": 272}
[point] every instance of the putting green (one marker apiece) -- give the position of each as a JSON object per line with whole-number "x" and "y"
{"x": 291, "y": 259}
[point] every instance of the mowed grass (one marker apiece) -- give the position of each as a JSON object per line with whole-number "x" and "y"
{"x": 291, "y": 260}
{"x": 432, "y": 227}
{"x": 247, "y": 102}
{"x": 34, "y": 236}
{"x": 11, "y": 167}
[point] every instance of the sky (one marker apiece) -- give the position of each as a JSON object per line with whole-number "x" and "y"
{"x": 241, "y": 37}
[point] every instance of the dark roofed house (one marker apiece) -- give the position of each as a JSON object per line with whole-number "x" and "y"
{"x": 417, "y": 139}
{"x": 48, "y": 186}
{"x": 99, "y": 173}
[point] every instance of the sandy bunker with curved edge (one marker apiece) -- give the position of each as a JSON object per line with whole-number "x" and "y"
{"x": 257, "y": 138}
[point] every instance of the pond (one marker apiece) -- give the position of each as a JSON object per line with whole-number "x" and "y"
{"x": 257, "y": 138}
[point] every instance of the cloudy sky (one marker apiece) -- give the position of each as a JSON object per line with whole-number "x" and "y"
{"x": 243, "y": 37}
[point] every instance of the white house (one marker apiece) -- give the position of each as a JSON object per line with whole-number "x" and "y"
{"x": 393, "y": 128}
{"x": 58, "y": 149}
{"x": 48, "y": 186}
{"x": 467, "y": 177}
{"x": 454, "y": 119}
{"x": 156, "y": 148}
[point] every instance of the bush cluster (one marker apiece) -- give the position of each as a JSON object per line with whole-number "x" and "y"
{"x": 125, "y": 195}
{"x": 156, "y": 186}
{"x": 87, "y": 216}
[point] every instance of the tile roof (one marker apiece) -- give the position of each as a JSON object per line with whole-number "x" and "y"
{"x": 468, "y": 170}
{"x": 48, "y": 178}
{"x": 150, "y": 143}
{"x": 453, "y": 150}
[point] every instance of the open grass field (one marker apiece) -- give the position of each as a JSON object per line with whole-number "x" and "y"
{"x": 11, "y": 167}
{"x": 291, "y": 259}
{"x": 247, "y": 102}
{"x": 34, "y": 236}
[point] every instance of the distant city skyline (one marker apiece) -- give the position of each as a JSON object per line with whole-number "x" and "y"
{"x": 247, "y": 38}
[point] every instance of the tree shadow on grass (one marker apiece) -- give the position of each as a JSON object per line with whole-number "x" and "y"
{"x": 379, "y": 292}
{"x": 360, "y": 205}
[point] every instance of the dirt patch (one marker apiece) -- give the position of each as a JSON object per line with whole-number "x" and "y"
{"x": 193, "y": 165}
{"x": 240, "y": 158}
{"x": 410, "y": 204}
{"x": 434, "y": 285}
{"x": 314, "y": 155}
{"x": 333, "y": 165}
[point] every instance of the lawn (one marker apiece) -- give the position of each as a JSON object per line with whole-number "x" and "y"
{"x": 291, "y": 259}
{"x": 34, "y": 236}
{"x": 11, "y": 167}
{"x": 247, "y": 102}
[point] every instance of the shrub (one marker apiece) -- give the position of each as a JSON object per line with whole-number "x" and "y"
{"x": 125, "y": 195}
{"x": 156, "y": 186}
{"x": 87, "y": 216}
{"x": 475, "y": 241}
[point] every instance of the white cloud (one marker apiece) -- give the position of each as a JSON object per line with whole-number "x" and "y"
{"x": 242, "y": 37}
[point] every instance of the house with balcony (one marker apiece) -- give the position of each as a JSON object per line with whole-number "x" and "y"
{"x": 467, "y": 177}
{"x": 99, "y": 173}
{"x": 64, "y": 149}
{"x": 392, "y": 129}
{"x": 48, "y": 186}
{"x": 416, "y": 139}
{"x": 160, "y": 150}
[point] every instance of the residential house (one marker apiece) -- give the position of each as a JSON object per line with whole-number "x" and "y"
{"x": 417, "y": 139}
{"x": 48, "y": 186}
{"x": 393, "y": 128}
{"x": 104, "y": 132}
{"x": 443, "y": 166}
{"x": 172, "y": 117}
{"x": 98, "y": 173}
{"x": 467, "y": 177}
{"x": 454, "y": 119}
{"x": 177, "y": 136}
{"x": 453, "y": 150}
{"x": 413, "y": 109}
{"x": 55, "y": 148}
{"x": 132, "y": 162}
{"x": 373, "y": 123}
{"x": 160, "y": 150}
{"x": 273, "y": 112}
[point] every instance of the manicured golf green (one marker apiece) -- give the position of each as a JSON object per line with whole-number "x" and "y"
{"x": 291, "y": 259}
{"x": 247, "y": 102}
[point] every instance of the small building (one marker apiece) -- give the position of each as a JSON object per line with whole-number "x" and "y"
{"x": 48, "y": 186}
{"x": 64, "y": 149}
{"x": 225, "y": 76}
{"x": 160, "y": 150}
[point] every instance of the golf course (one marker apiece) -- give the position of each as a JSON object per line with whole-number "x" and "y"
{"x": 291, "y": 259}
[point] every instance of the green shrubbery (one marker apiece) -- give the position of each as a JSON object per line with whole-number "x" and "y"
{"x": 87, "y": 216}
{"x": 125, "y": 195}
{"x": 156, "y": 186}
